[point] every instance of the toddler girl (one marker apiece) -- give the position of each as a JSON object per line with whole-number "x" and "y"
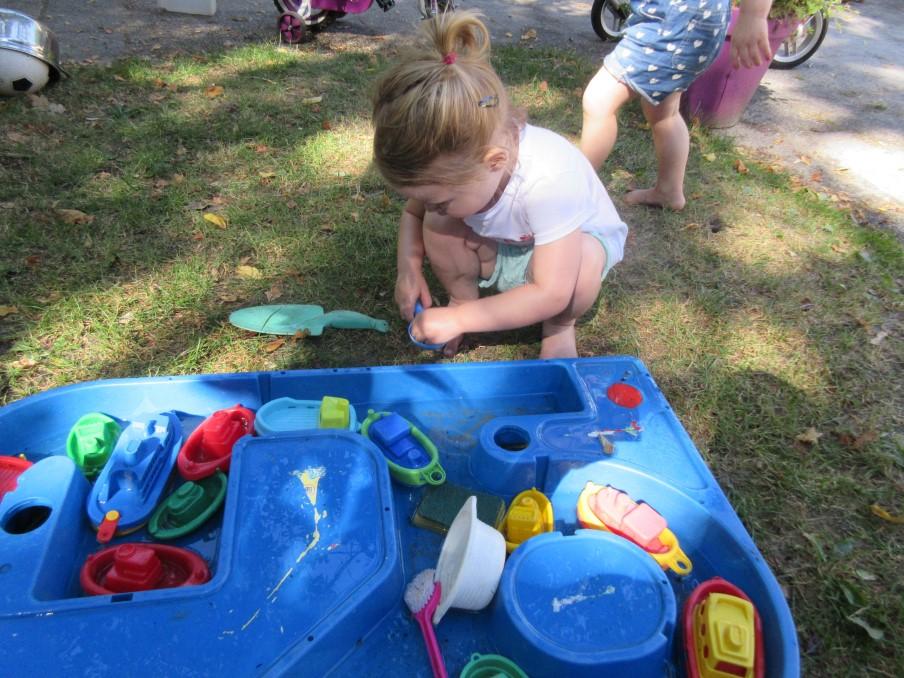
{"x": 667, "y": 43}
{"x": 492, "y": 201}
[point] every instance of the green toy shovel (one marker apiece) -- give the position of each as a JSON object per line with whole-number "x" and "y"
{"x": 288, "y": 319}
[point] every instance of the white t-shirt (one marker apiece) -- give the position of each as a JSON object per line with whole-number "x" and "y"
{"x": 552, "y": 192}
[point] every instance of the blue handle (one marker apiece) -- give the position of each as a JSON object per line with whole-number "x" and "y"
{"x": 427, "y": 347}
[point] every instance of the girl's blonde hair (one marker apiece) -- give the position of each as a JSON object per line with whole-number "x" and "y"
{"x": 442, "y": 100}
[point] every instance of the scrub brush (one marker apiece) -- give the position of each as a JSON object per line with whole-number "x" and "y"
{"x": 422, "y": 596}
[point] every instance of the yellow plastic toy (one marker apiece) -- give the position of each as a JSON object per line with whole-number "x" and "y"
{"x": 529, "y": 514}
{"x": 664, "y": 548}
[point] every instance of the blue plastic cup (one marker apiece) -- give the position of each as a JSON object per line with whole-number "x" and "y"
{"x": 427, "y": 347}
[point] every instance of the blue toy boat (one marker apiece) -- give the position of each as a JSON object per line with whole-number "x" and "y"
{"x": 135, "y": 476}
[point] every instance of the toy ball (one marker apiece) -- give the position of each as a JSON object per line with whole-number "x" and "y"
{"x": 21, "y": 73}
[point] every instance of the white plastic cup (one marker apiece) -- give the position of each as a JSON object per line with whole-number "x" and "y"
{"x": 470, "y": 562}
{"x": 205, "y": 7}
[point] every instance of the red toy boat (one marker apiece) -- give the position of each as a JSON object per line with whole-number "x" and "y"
{"x": 723, "y": 635}
{"x": 10, "y": 470}
{"x": 141, "y": 567}
{"x": 209, "y": 447}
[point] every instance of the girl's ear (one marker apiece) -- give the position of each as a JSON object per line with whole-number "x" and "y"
{"x": 496, "y": 158}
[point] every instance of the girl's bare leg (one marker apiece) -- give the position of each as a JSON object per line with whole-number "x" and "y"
{"x": 558, "y": 332}
{"x": 672, "y": 144}
{"x": 458, "y": 257}
{"x": 603, "y": 96}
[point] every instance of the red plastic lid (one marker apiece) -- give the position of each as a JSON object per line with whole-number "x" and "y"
{"x": 624, "y": 395}
{"x": 141, "y": 567}
{"x": 209, "y": 447}
{"x": 10, "y": 470}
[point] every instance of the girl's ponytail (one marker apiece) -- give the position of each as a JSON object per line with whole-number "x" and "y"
{"x": 443, "y": 99}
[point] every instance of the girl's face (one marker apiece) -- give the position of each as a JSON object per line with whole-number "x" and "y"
{"x": 463, "y": 200}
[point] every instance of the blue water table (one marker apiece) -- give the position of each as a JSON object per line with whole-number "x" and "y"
{"x": 310, "y": 555}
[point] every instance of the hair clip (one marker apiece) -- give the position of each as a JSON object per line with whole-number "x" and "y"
{"x": 450, "y": 58}
{"x": 489, "y": 101}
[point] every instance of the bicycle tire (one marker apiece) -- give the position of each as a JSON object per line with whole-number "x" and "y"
{"x": 793, "y": 51}
{"x": 608, "y": 18}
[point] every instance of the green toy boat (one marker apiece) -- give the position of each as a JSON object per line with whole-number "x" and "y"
{"x": 186, "y": 509}
{"x": 91, "y": 440}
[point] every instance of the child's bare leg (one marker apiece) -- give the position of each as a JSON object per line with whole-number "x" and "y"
{"x": 603, "y": 96}
{"x": 672, "y": 144}
{"x": 558, "y": 332}
{"x": 458, "y": 257}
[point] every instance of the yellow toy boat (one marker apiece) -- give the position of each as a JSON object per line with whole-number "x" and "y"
{"x": 529, "y": 514}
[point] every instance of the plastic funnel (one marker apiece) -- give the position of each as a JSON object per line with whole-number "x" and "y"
{"x": 470, "y": 562}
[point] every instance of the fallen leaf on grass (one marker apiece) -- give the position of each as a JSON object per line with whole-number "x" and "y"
{"x": 266, "y": 175}
{"x": 245, "y": 271}
{"x": 7, "y": 310}
{"x": 816, "y": 176}
{"x": 529, "y": 34}
{"x": 33, "y": 260}
{"x": 274, "y": 345}
{"x": 879, "y": 338}
{"x": 310, "y": 101}
{"x": 197, "y": 236}
{"x": 544, "y": 86}
{"x": 809, "y": 437}
{"x": 710, "y": 156}
{"x": 326, "y": 124}
{"x": 880, "y": 512}
{"x": 24, "y": 363}
{"x": 126, "y": 318}
{"x": 865, "y": 576}
{"x": 16, "y": 138}
{"x": 74, "y": 217}
{"x": 874, "y": 633}
{"x": 274, "y": 293}
{"x": 214, "y": 91}
{"x": 740, "y": 167}
{"x": 215, "y": 219}
{"x": 197, "y": 205}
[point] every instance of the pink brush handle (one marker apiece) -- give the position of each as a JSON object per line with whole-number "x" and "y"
{"x": 436, "y": 658}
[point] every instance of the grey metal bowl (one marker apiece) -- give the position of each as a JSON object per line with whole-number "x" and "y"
{"x": 20, "y": 33}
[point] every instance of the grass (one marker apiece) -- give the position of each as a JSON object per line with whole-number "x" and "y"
{"x": 766, "y": 314}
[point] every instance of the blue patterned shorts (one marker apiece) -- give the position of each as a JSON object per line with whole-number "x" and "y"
{"x": 667, "y": 44}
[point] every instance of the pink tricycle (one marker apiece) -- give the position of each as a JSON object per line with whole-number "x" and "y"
{"x": 295, "y": 16}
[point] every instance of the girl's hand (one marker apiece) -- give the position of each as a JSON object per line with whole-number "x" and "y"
{"x": 436, "y": 325}
{"x": 750, "y": 39}
{"x": 410, "y": 288}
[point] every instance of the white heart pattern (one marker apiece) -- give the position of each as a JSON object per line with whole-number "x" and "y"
{"x": 652, "y": 68}
{"x": 676, "y": 76}
{"x": 701, "y": 59}
{"x": 683, "y": 8}
{"x": 653, "y": 81}
{"x": 647, "y": 50}
{"x": 707, "y": 14}
{"x": 670, "y": 47}
{"x": 680, "y": 67}
{"x": 697, "y": 43}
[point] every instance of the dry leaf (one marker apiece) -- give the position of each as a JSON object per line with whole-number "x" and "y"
{"x": 879, "y": 338}
{"x": 274, "y": 293}
{"x": 740, "y": 166}
{"x": 214, "y": 91}
{"x": 215, "y": 219}
{"x": 880, "y": 512}
{"x": 809, "y": 437}
{"x": 300, "y": 334}
{"x": 274, "y": 345}
{"x": 198, "y": 205}
{"x": 126, "y": 318}
{"x": 709, "y": 156}
{"x": 7, "y": 310}
{"x": 16, "y": 138}
{"x": 326, "y": 125}
{"x": 24, "y": 363}
{"x": 266, "y": 175}
{"x": 74, "y": 217}
{"x": 262, "y": 148}
{"x": 197, "y": 236}
{"x": 245, "y": 271}
{"x": 529, "y": 34}
{"x": 816, "y": 176}
{"x": 56, "y": 108}
{"x": 805, "y": 159}
{"x": 309, "y": 101}
{"x": 33, "y": 259}
{"x": 544, "y": 86}
{"x": 38, "y": 101}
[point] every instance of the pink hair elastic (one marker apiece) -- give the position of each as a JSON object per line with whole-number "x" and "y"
{"x": 450, "y": 58}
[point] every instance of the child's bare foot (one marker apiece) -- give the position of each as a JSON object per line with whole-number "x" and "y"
{"x": 656, "y": 198}
{"x": 558, "y": 342}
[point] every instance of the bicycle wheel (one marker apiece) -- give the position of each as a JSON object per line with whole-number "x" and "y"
{"x": 802, "y": 43}
{"x": 425, "y": 7}
{"x": 608, "y": 18}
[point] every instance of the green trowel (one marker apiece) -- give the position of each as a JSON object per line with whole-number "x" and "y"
{"x": 289, "y": 319}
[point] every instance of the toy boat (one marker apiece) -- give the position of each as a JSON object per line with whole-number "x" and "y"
{"x": 209, "y": 447}
{"x": 91, "y": 441}
{"x": 136, "y": 474}
{"x": 529, "y": 514}
{"x": 10, "y": 470}
{"x": 411, "y": 456}
{"x": 723, "y": 635}
{"x": 606, "y": 508}
{"x": 285, "y": 415}
{"x": 188, "y": 507}
{"x": 141, "y": 567}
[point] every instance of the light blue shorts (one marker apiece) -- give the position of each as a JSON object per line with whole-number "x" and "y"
{"x": 667, "y": 44}
{"x": 512, "y": 261}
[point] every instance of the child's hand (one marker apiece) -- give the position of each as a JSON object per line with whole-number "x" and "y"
{"x": 411, "y": 288}
{"x": 436, "y": 326}
{"x": 750, "y": 40}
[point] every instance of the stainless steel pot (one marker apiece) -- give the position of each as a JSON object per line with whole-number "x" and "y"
{"x": 20, "y": 33}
